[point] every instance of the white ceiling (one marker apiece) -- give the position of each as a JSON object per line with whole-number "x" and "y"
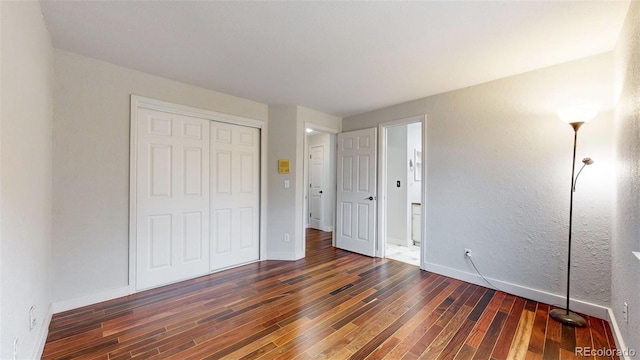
{"x": 341, "y": 58}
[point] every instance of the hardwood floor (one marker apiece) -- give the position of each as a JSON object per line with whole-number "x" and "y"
{"x": 332, "y": 304}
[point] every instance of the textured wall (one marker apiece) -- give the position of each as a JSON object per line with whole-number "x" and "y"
{"x": 498, "y": 177}
{"x": 414, "y": 142}
{"x": 397, "y": 164}
{"x": 281, "y": 214}
{"x": 25, "y": 182}
{"x": 626, "y": 225}
{"x": 286, "y": 206}
{"x": 91, "y": 165}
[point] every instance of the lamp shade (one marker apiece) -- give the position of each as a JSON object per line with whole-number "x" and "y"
{"x": 576, "y": 114}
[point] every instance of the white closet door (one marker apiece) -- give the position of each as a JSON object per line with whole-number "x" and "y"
{"x": 172, "y": 198}
{"x": 235, "y": 195}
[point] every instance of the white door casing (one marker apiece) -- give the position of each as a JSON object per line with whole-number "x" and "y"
{"x": 172, "y": 198}
{"x": 235, "y": 195}
{"x": 357, "y": 191}
{"x": 316, "y": 192}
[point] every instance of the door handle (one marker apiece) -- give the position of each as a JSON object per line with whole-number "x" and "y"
{"x": 371, "y": 198}
{"x": 320, "y": 191}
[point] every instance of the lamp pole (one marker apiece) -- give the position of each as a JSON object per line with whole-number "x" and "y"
{"x": 567, "y": 317}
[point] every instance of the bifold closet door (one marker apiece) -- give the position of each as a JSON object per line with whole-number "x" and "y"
{"x": 172, "y": 198}
{"x": 235, "y": 195}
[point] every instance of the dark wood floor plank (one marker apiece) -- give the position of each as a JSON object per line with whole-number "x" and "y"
{"x": 331, "y": 304}
{"x": 551, "y": 350}
{"x": 481, "y": 326}
{"x": 490, "y": 338}
{"x": 457, "y": 341}
{"x": 505, "y": 339}
{"x": 411, "y": 332}
{"x": 539, "y": 331}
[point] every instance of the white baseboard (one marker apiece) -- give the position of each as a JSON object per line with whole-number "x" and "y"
{"x": 584, "y": 307}
{"x": 80, "y": 301}
{"x": 44, "y": 332}
{"x": 327, "y": 228}
{"x": 617, "y": 334}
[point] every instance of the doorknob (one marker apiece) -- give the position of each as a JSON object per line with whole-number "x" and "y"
{"x": 320, "y": 191}
{"x": 369, "y": 198}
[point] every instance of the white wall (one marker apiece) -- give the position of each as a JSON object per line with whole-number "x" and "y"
{"x": 281, "y": 214}
{"x": 498, "y": 162}
{"x": 91, "y": 165}
{"x": 332, "y": 176}
{"x": 287, "y": 125}
{"x": 397, "y": 164}
{"x": 25, "y": 177}
{"x": 625, "y": 281}
{"x": 414, "y": 187}
{"x": 414, "y": 142}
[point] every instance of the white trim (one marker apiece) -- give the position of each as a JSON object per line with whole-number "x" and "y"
{"x": 637, "y": 254}
{"x": 133, "y": 206}
{"x": 284, "y": 255}
{"x": 263, "y": 193}
{"x": 140, "y": 102}
{"x": 424, "y": 203}
{"x": 382, "y": 191}
{"x": 164, "y": 106}
{"x": 617, "y": 334}
{"x": 522, "y": 291}
{"x": 382, "y": 184}
{"x": 43, "y": 333}
{"x": 80, "y": 301}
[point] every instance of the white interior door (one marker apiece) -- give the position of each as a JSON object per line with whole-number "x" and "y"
{"x": 357, "y": 196}
{"x": 172, "y": 198}
{"x": 316, "y": 186}
{"x": 235, "y": 195}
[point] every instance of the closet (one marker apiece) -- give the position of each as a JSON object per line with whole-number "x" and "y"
{"x": 197, "y": 196}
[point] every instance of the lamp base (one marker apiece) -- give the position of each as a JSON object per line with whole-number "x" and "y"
{"x": 571, "y": 319}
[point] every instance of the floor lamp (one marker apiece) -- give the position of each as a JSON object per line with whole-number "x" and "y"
{"x": 575, "y": 117}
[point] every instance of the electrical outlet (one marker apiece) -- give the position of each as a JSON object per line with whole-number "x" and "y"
{"x": 625, "y": 312}
{"x": 33, "y": 320}
{"x": 467, "y": 253}
{"x": 286, "y": 237}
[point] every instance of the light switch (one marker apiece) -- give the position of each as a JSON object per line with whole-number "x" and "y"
{"x": 286, "y": 184}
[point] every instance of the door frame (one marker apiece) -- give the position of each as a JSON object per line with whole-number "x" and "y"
{"x": 382, "y": 185}
{"x": 138, "y": 102}
{"x": 305, "y": 164}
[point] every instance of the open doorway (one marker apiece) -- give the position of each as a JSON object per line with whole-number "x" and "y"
{"x": 319, "y": 179}
{"x": 402, "y": 187}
